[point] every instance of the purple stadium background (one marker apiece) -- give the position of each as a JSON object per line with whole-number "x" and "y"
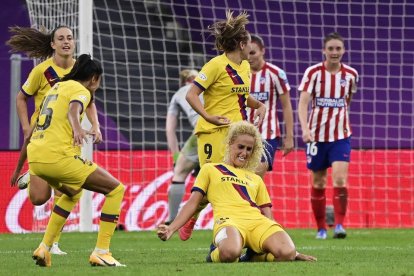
{"x": 382, "y": 52}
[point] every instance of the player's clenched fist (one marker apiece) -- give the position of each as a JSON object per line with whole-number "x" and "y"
{"x": 163, "y": 232}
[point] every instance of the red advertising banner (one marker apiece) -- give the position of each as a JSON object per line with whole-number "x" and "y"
{"x": 381, "y": 192}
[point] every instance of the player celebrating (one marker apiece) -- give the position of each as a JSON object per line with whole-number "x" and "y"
{"x": 268, "y": 84}
{"x": 53, "y": 154}
{"x": 330, "y": 85}
{"x": 185, "y": 160}
{"x": 57, "y": 48}
{"x": 241, "y": 204}
{"x": 225, "y": 81}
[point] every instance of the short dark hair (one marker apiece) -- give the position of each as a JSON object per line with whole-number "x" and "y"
{"x": 258, "y": 40}
{"x": 332, "y": 36}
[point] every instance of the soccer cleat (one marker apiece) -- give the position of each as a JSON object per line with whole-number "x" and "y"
{"x": 106, "y": 259}
{"x": 42, "y": 256}
{"x": 246, "y": 257}
{"x": 23, "y": 180}
{"x": 322, "y": 234}
{"x": 186, "y": 231}
{"x": 208, "y": 257}
{"x": 339, "y": 232}
{"x": 55, "y": 250}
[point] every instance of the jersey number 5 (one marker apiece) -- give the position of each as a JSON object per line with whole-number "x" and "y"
{"x": 47, "y": 112}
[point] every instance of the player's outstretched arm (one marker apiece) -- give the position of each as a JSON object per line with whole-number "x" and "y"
{"x": 166, "y": 231}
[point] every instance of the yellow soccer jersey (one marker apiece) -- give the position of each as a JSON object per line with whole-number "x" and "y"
{"x": 41, "y": 79}
{"x": 52, "y": 137}
{"x": 232, "y": 192}
{"x": 226, "y": 88}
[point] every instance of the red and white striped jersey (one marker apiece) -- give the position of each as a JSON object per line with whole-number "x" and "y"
{"x": 266, "y": 85}
{"x": 329, "y": 119}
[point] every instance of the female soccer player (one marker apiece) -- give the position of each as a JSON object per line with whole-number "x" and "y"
{"x": 57, "y": 48}
{"x": 330, "y": 85}
{"x": 268, "y": 84}
{"x": 53, "y": 154}
{"x": 186, "y": 160}
{"x": 225, "y": 81}
{"x": 241, "y": 204}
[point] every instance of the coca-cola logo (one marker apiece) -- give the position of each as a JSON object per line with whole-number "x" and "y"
{"x": 144, "y": 207}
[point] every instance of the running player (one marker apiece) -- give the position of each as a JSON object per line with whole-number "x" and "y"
{"x": 53, "y": 155}
{"x": 56, "y": 49}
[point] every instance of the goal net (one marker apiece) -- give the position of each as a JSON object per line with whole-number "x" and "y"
{"x": 143, "y": 45}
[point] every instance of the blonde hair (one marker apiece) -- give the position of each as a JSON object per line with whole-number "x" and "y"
{"x": 230, "y": 32}
{"x": 187, "y": 75}
{"x": 245, "y": 128}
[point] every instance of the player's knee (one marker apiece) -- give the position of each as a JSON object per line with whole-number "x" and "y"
{"x": 229, "y": 255}
{"x": 39, "y": 199}
{"x": 286, "y": 254}
{"x": 319, "y": 182}
{"x": 339, "y": 181}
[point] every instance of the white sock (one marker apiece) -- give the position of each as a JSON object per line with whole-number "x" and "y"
{"x": 175, "y": 196}
{"x": 101, "y": 251}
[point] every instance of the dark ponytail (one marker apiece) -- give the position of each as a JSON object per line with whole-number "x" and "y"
{"x": 84, "y": 69}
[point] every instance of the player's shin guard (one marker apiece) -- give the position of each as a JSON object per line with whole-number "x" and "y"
{"x": 109, "y": 216}
{"x": 318, "y": 201}
{"x": 340, "y": 202}
{"x": 57, "y": 220}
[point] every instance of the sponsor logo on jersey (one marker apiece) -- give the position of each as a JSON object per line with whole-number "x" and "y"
{"x": 234, "y": 179}
{"x": 330, "y": 102}
{"x": 202, "y": 76}
{"x": 261, "y": 96}
{"x": 243, "y": 89}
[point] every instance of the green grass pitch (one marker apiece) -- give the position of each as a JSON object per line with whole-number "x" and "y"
{"x": 364, "y": 252}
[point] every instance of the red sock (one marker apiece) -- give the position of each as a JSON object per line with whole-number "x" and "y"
{"x": 340, "y": 202}
{"x": 318, "y": 201}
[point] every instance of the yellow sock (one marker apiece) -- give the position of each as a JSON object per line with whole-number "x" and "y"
{"x": 55, "y": 200}
{"x": 60, "y": 213}
{"x": 109, "y": 216}
{"x": 267, "y": 257}
{"x": 215, "y": 255}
